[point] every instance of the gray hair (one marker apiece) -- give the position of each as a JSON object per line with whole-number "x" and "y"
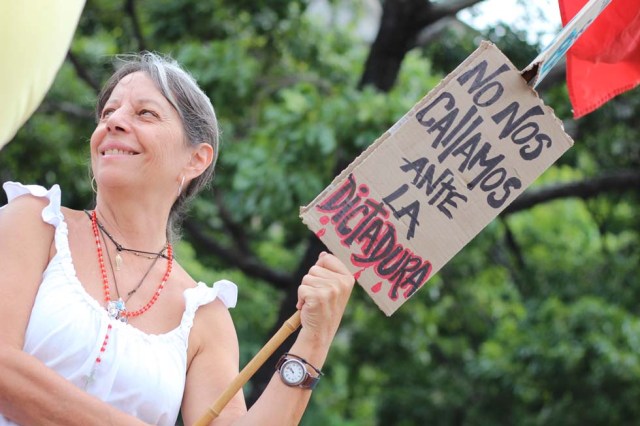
{"x": 192, "y": 104}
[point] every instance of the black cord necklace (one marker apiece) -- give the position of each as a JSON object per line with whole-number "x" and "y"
{"x": 115, "y": 280}
{"x": 121, "y": 248}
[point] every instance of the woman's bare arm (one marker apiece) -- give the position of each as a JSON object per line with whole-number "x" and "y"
{"x": 31, "y": 393}
{"x": 213, "y": 366}
{"x": 322, "y": 298}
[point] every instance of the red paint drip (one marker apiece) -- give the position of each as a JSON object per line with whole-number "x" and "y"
{"x": 357, "y": 274}
{"x": 321, "y": 232}
{"x": 377, "y": 287}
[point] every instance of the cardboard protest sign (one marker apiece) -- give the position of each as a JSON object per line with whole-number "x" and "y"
{"x": 426, "y": 187}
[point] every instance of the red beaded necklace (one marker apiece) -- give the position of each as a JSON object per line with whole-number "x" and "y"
{"x": 116, "y": 308}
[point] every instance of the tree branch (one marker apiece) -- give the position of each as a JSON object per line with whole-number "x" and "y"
{"x": 130, "y": 9}
{"x": 400, "y": 24}
{"x": 513, "y": 246}
{"x": 82, "y": 72}
{"x": 627, "y": 180}
{"x": 434, "y": 31}
{"x": 247, "y": 264}
{"x": 237, "y": 232}
{"x": 68, "y": 108}
{"x": 449, "y": 8}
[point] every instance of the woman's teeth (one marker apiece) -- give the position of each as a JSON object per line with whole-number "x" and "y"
{"x": 117, "y": 152}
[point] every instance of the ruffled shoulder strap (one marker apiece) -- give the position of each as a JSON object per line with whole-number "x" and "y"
{"x": 51, "y": 213}
{"x": 202, "y": 294}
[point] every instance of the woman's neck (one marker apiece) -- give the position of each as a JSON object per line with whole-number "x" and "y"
{"x": 137, "y": 224}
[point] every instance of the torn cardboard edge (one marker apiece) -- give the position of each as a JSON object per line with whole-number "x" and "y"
{"x": 506, "y": 124}
{"x": 538, "y": 69}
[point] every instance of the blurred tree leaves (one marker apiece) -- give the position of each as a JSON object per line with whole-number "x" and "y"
{"x": 534, "y": 322}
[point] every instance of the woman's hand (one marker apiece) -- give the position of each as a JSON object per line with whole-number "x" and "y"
{"x": 323, "y": 297}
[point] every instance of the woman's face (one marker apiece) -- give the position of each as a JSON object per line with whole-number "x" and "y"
{"x": 139, "y": 141}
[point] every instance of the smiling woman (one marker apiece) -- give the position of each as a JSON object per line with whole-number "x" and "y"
{"x": 178, "y": 91}
{"x": 139, "y": 142}
{"x": 96, "y": 309}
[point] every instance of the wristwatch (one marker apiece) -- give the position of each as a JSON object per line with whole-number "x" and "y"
{"x": 293, "y": 372}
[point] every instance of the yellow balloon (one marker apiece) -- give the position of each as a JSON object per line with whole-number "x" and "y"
{"x": 34, "y": 39}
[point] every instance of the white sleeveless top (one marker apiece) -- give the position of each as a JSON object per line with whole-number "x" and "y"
{"x": 140, "y": 374}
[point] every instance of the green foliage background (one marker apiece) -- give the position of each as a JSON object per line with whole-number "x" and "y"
{"x": 534, "y": 322}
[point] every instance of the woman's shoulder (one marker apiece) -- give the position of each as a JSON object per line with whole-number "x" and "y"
{"x": 32, "y": 202}
{"x": 212, "y": 327}
{"x": 25, "y": 210}
{"x": 22, "y": 225}
{"x": 73, "y": 217}
{"x": 27, "y": 203}
{"x": 207, "y": 307}
{"x": 31, "y": 215}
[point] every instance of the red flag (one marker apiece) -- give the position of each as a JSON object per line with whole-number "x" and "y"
{"x": 605, "y": 61}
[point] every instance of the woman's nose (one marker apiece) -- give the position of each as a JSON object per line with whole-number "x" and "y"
{"x": 118, "y": 121}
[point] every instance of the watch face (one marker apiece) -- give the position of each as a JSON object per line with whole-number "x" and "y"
{"x": 293, "y": 372}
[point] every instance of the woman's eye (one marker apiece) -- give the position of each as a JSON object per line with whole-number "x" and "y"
{"x": 147, "y": 112}
{"x": 106, "y": 112}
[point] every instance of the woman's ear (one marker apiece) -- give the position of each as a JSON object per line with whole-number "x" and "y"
{"x": 201, "y": 158}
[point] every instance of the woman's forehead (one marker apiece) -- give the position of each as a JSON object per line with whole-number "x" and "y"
{"x": 140, "y": 87}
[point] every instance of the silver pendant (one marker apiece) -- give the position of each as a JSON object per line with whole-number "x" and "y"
{"x": 117, "y": 310}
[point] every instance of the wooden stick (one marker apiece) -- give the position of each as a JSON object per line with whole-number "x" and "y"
{"x": 249, "y": 370}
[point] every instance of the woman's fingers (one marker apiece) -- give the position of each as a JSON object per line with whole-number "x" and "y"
{"x": 328, "y": 272}
{"x": 331, "y": 262}
{"x": 330, "y": 267}
{"x": 323, "y": 294}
